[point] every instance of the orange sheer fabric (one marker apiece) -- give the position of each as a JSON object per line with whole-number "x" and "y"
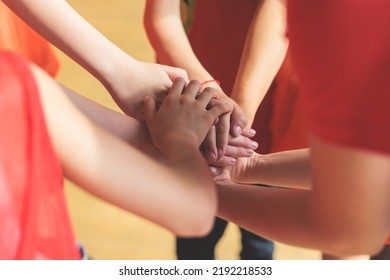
{"x": 15, "y": 35}
{"x": 34, "y": 222}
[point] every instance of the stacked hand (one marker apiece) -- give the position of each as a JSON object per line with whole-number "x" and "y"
{"x": 183, "y": 117}
{"x": 228, "y": 147}
{"x": 188, "y": 116}
{"x": 133, "y": 80}
{"x": 229, "y": 126}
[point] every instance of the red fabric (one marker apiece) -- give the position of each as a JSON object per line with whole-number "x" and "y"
{"x": 17, "y": 36}
{"x": 217, "y": 36}
{"x": 341, "y": 51}
{"x": 34, "y": 222}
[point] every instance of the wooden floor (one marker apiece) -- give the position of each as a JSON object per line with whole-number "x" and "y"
{"x": 106, "y": 231}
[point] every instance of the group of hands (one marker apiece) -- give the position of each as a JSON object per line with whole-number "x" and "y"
{"x": 176, "y": 110}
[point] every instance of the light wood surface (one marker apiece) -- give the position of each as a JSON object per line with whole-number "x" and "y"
{"x": 106, "y": 231}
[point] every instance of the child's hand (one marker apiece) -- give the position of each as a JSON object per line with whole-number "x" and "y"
{"x": 133, "y": 80}
{"x": 183, "y": 116}
{"x": 216, "y": 144}
{"x": 240, "y": 146}
{"x": 234, "y": 173}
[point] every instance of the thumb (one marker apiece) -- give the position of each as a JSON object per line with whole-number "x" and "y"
{"x": 150, "y": 108}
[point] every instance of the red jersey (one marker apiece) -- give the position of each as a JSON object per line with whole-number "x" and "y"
{"x": 341, "y": 51}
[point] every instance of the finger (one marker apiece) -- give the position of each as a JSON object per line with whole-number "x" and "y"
{"x": 206, "y": 96}
{"x": 177, "y": 87}
{"x": 212, "y": 103}
{"x": 237, "y": 152}
{"x": 174, "y": 72}
{"x": 209, "y": 146}
{"x": 238, "y": 121}
{"x": 222, "y": 175}
{"x": 218, "y": 110}
{"x": 248, "y": 132}
{"x": 225, "y": 161}
{"x": 150, "y": 108}
{"x": 192, "y": 89}
{"x": 222, "y": 134}
{"x": 215, "y": 170}
{"x": 244, "y": 142}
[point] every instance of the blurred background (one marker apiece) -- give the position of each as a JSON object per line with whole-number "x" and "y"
{"x": 106, "y": 231}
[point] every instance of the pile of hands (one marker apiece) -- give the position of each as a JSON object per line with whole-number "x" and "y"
{"x": 207, "y": 119}
{"x": 176, "y": 110}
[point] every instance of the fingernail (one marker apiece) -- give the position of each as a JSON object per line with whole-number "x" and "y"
{"x": 254, "y": 145}
{"x": 252, "y": 132}
{"x": 237, "y": 129}
{"x": 232, "y": 161}
{"x": 249, "y": 151}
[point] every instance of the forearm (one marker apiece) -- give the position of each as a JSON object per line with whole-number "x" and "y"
{"x": 168, "y": 38}
{"x": 275, "y": 213}
{"x": 126, "y": 128}
{"x": 60, "y": 24}
{"x": 291, "y": 216}
{"x": 119, "y": 174}
{"x": 189, "y": 160}
{"x": 264, "y": 51}
{"x": 165, "y": 195}
{"x": 285, "y": 169}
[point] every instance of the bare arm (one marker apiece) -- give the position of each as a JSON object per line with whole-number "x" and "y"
{"x": 264, "y": 51}
{"x": 167, "y": 35}
{"x": 180, "y": 197}
{"x": 342, "y": 213}
{"x": 127, "y": 79}
{"x": 122, "y": 126}
{"x": 289, "y": 169}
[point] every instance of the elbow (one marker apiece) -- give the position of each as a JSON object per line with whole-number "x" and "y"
{"x": 197, "y": 228}
{"x": 199, "y": 220}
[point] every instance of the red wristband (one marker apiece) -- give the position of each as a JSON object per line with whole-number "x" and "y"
{"x": 210, "y": 81}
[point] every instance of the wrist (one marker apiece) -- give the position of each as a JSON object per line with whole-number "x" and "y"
{"x": 181, "y": 152}
{"x": 251, "y": 173}
{"x": 211, "y": 83}
{"x": 116, "y": 68}
{"x": 174, "y": 146}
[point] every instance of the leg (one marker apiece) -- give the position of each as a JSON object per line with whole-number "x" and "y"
{"x": 200, "y": 248}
